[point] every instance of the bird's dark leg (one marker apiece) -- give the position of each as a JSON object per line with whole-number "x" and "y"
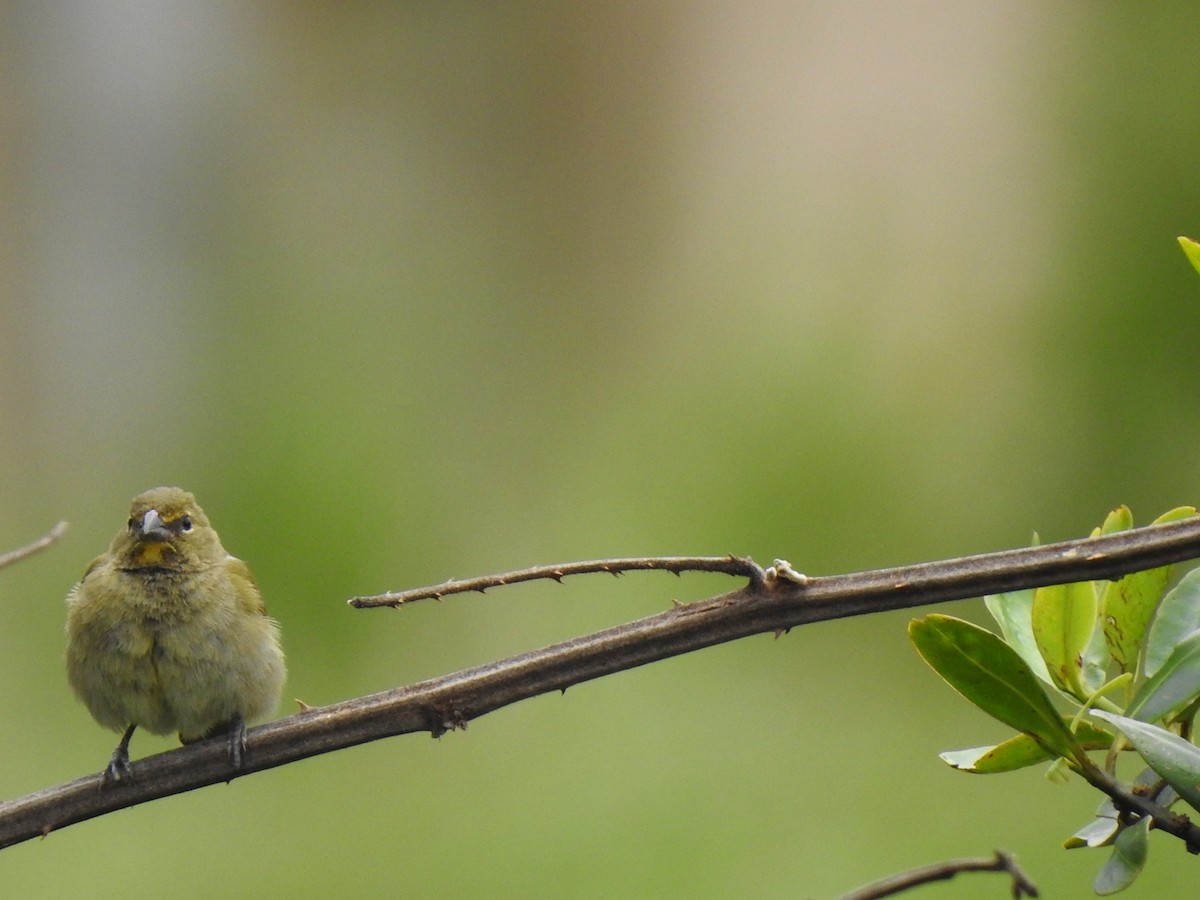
{"x": 118, "y": 764}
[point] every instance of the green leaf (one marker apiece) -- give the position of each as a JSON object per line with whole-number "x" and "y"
{"x": 1178, "y": 617}
{"x": 1130, "y": 850}
{"x": 1064, "y": 617}
{"x": 1018, "y": 752}
{"x": 1120, "y": 519}
{"x": 1130, "y": 602}
{"x": 1172, "y": 687}
{"x": 1129, "y": 606}
{"x": 1012, "y": 613}
{"x": 991, "y": 760}
{"x": 1175, "y": 515}
{"x": 1176, "y": 760}
{"x": 996, "y": 758}
{"x": 1096, "y": 662}
{"x": 990, "y": 674}
{"x": 1097, "y": 833}
{"x": 1192, "y": 249}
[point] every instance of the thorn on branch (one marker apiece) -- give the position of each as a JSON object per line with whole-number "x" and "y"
{"x": 443, "y": 718}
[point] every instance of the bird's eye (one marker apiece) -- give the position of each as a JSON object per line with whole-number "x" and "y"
{"x": 132, "y": 523}
{"x": 186, "y": 523}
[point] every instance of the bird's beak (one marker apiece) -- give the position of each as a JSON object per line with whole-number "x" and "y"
{"x": 153, "y": 527}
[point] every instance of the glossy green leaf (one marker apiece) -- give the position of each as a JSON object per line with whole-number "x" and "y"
{"x": 1018, "y": 752}
{"x": 990, "y": 674}
{"x": 1130, "y": 850}
{"x": 1192, "y": 249}
{"x": 1172, "y": 687}
{"x": 1177, "y": 618}
{"x": 1012, "y": 613}
{"x": 1176, "y": 760}
{"x": 1064, "y": 618}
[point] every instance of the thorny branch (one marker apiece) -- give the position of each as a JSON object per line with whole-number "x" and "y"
{"x": 729, "y": 565}
{"x": 778, "y": 601}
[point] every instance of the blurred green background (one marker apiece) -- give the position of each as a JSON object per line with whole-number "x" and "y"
{"x": 410, "y": 291}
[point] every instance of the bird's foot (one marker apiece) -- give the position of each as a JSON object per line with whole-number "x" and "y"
{"x": 118, "y": 764}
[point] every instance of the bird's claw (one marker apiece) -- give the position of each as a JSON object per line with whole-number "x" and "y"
{"x": 118, "y": 764}
{"x": 118, "y": 768}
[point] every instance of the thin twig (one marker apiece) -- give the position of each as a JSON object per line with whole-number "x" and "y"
{"x": 783, "y": 600}
{"x": 29, "y": 549}
{"x": 1109, "y": 556}
{"x": 1140, "y": 806}
{"x": 1022, "y": 885}
{"x": 728, "y": 565}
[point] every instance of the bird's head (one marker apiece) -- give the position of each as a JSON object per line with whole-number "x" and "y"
{"x": 167, "y": 529}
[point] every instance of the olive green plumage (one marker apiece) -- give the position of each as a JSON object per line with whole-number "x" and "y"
{"x": 168, "y": 632}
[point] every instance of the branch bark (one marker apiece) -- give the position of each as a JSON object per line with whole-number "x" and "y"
{"x": 1022, "y": 884}
{"x": 778, "y": 602}
{"x": 12, "y": 556}
{"x": 676, "y": 565}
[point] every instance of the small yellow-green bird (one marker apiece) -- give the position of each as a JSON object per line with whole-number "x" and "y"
{"x": 168, "y": 632}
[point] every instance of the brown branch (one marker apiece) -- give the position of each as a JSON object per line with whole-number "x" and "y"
{"x": 1022, "y": 885}
{"x": 29, "y": 549}
{"x": 782, "y": 600}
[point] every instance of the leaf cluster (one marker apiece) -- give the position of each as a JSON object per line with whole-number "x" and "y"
{"x": 1079, "y": 668}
